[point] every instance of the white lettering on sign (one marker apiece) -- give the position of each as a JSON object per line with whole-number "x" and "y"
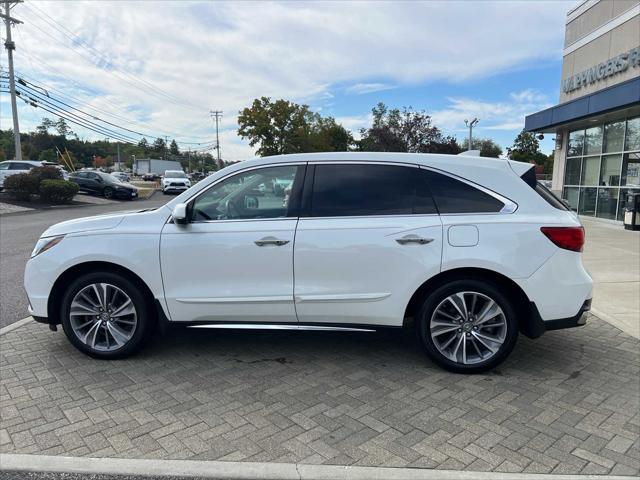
{"x": 603, "y": 70}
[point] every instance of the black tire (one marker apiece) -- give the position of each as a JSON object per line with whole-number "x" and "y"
{"x": 107, "y": 192}
{"x": 133, "y": 291}
{"x": 485, "y": 288}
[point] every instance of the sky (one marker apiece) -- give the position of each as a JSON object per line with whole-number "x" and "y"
{"x": 158, "y": 68}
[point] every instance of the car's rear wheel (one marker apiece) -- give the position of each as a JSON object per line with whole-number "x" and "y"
{"x": 104, "y": 315}
{"x": 468, "y": 326}
{"x": 108, "y": 192}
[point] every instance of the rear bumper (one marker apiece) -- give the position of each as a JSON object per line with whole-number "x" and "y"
{"x": 536, "y": 326}
{"x": 559, "y": 287}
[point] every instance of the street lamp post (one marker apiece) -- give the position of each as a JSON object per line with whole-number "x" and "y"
{"x": 471, "y": 124}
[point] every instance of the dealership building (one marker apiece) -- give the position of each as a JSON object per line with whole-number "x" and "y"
{"x": 596, "y": 123}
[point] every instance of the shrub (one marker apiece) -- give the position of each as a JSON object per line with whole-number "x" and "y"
{"x": 57, "y": 191}
{"x": 21, "y": 186}
{"x": 46, "y": 173}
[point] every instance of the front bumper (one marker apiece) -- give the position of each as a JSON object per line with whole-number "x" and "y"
{"x": 126, "y": 194}
{"x": 173, "y": 188}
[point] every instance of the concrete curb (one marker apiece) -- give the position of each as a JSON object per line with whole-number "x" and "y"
{"x": 254, "y": 471}
{"x": 15, "y": 325}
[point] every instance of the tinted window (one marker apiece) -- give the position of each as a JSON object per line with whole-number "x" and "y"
{"x": 365, "y": 189}
{"x": 4, "y": 166}
{"x": 454, "y": 196}
{"x": 549, "y": 197}
{"x": 20, "y": 166}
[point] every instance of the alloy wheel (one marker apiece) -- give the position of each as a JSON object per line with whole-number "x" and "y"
{"x": 103, "y": 317}
{"x": 468, "y": 327}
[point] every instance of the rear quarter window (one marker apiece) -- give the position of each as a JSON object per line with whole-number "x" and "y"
{"x": 454, "y": 196}
{"x": 550, "y": 197}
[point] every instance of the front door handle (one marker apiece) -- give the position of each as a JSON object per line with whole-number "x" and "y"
{"x": 263, "y": 242}
{"x": 413, "y": 239}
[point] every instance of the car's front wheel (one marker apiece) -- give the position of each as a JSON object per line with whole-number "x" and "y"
{"x": 104, "y": 315}
{"x": 108, "y": 192}
{"x": 468, "y": 326}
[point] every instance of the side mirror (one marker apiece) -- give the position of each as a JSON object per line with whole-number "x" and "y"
{"x": 179, "y": 214}
{"x": 250, "y": 202}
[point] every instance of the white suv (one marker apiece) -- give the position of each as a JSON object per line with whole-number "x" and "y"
{"x": 175, "y": 181}
{"x": 469, "y": 250}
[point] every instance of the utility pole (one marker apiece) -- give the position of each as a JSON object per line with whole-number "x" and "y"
{"x": 471, "y": 124}
{"x": 217, "y": 114}
{"x": 165, "y": 147}
{"x": 189, "y": 157}
{"x": 11, "y": 46}
{"x": 118, "y": 144}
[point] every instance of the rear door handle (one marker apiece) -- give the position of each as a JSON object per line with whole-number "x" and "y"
{"x": 413, "y": 239}
{"x": 263, "y": 242}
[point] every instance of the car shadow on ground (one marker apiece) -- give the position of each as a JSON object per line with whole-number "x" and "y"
{"x": 563, "y": 354}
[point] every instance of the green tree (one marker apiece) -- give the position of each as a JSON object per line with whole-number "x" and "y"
{"x": 48, "y": 155}
{"x": 548, "y": 164}
{"x": 144, "y": 145}
{"x": 44, "y": 126}
{"x": 159, "y": 147}
{"x": 62, "y": 128}
{"x": 173, "y": 148}
{"x": 275, "y": 127}
{"x": 406, "y": 130}
{"x": 280, "y": 127}
{"x": 487, "y": 147}
{"x": 526, "y": 148}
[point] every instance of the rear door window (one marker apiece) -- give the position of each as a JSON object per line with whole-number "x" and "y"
{"x": 20, "y": 166}
{"x": 454, "y": 196}
{"x": 341, "y": 190}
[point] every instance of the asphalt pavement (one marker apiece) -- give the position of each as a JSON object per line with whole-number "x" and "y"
{"x": 19, "y": 233}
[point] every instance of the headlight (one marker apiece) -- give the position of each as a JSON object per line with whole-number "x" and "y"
{"x": 45, "y": 244}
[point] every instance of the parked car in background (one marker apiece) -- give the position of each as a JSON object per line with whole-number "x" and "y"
{"x": 150, "y": 177}
{"x": 196, "y": 176}
{"x": 104, "y": 184}
{"x": 12, "y": 167}
{"x": 470, "y": 251}
{"x": 175, "y": 181}
{"x": 123, "y": 177}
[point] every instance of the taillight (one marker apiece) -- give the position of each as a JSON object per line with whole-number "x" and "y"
{"x": 569, "y": 238}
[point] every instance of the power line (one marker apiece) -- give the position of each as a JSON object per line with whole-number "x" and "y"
{"x": 132, "y": 80}
{"x": 77, "y": 40}
{"x": 95, "y": 129}
{"x": 32, "y": 87}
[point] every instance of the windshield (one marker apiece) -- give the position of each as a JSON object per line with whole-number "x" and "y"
{"x": 174, "y": 174}
{"x": 114, "y": 178}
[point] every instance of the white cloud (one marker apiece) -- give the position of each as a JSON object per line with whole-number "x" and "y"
{"x": 354, "y": 123}
{"x": 363, "y": 88}
{"x": 222, "y": 55}
{"x": 502, "y": 115}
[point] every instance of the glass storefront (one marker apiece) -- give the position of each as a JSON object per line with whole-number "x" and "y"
{"x": 603, "y": 168}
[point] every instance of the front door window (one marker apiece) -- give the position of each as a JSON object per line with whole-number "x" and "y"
{"x": 255, "y": 194}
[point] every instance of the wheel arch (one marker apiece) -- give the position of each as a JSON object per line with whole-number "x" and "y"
{"x": 527, "y": 320}
{"x": 57, "y": 291}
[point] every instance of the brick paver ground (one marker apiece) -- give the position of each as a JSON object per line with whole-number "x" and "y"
{"x": 565, "y": 403}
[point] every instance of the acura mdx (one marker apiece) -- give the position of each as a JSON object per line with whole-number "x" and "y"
{"x": 470, "y": 251}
